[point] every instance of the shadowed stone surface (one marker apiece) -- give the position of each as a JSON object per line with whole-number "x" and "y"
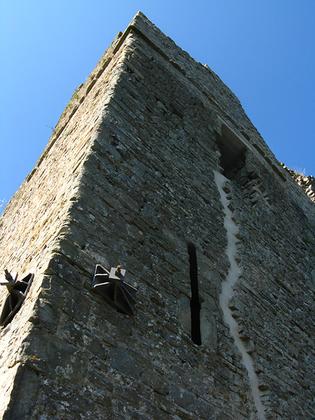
{"x": 128, "y": 178}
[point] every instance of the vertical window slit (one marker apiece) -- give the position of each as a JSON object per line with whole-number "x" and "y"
{"x": 194, "y": 301}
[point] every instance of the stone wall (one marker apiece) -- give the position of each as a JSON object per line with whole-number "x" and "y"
{"x": 306, "y": 182}
{"x": 34, "y": 223}
{"x": 129, "y": 178}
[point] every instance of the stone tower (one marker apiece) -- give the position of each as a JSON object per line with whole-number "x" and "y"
{"x": 154, "y": 166}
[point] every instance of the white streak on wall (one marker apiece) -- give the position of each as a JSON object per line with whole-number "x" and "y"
{"x": 227, "y": 293}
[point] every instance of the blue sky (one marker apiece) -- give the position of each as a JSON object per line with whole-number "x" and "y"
{"x": 264, "y": 50}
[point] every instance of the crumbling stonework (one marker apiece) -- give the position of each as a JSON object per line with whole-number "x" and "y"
{"x": 129, "y": 177}
{"x": 306, "y": 182}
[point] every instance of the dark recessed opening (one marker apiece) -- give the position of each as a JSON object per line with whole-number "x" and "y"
{"x": 194, "y": 301}
{"x": 17, "y": 292}
{"x": 233, "y": 153}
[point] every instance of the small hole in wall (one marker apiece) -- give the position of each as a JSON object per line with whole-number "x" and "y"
{"x": 233, "y": 153}
{"x": 195, "y": 305}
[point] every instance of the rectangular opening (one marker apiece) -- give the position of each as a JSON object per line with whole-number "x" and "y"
{"x": 194, "y": 301}
{"x": 233, "y": 152}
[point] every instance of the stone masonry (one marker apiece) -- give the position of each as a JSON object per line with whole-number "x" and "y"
{"x": 154, "y": 151}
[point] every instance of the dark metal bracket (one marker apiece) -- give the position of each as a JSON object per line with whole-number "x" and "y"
{"x": 17, "y": 292}
{"x": 110, "y": 284}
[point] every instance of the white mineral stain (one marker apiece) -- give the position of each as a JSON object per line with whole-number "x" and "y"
{"x": 227, "y": 293}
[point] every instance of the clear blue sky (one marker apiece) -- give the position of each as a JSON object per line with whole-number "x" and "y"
{"x": 264, "y": 50}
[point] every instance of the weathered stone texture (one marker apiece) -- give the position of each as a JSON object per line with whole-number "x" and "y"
{"x": 128, "y": 178}
{"x": 37, "y": 218}
{"x": 306, "y": 182}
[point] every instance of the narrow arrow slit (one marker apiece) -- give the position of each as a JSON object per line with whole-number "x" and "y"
{"x": 194, "y": 301}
